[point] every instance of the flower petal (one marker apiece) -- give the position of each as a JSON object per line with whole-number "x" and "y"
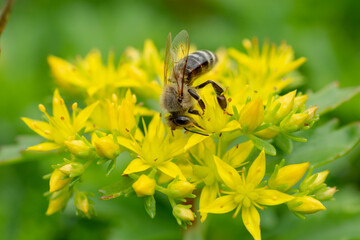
{"x": 171, "y": 169}
{"x": 40, "y": 127}
{"x": 59, "y": 108}
{"x": 44, "y": 147}
{"x": 221, "y": 205}
{"x": 208, "y": 195}
{"x": 195, "y": 139}
{"x": 227, "y": 173}
{"x": 272, "y": 197}
{"x": 257, "y": 170}
{"x": 128, "y": 144}
{"x": 231, "y": 126}
{"x": 136, "y": 165}
{"x": 251, "y": 220}
{"x": 83, "y": 116}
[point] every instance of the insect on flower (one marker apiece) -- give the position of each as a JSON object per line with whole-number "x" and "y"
{"x": 178, "y": 96}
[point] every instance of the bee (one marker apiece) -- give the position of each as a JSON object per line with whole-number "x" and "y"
{"x": 180, "y": 71}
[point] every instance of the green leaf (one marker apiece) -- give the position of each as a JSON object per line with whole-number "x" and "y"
{"x": 150, "y": 205}
{"x": 325, "y": 143}
{"x": 111, "y": 167}
{"x": 331, "y": 97}
{"x": 14, "y": 152}
{"x": 263, "y": 144}
{"x": 284, "y": 143}
{"x": 117, "y": 189}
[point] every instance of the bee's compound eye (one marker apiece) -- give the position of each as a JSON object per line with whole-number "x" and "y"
{"x": 182, "y": 120}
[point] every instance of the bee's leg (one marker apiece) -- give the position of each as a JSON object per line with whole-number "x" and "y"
{"x": 219, "y": 92}
{"x": 194, "y": 111}
{"x": 197, "y": 98}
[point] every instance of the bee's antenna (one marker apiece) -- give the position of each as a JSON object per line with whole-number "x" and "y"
{"x": 196, "y": 132}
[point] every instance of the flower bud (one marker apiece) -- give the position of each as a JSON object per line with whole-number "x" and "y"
{"x": 311, "y": 113}
{"x": 180, "y": 189}
{"x": 78, "y": 148}
{"x": 286, "y": 104}
{"x": 252, "y": 115}
{"x": 295, "y": 122}
{"x": 314, "y": 181}
{"x": 183, "y": 213}
{"x": 144, "y": 186}
{"x": 106, "y": 147}
{"x": 305, "y": 205}
{"x": 300, "y": 101}
{"x": 58, "y": 180}
{"x": 267, "y": 133}
{"x": 57, "y": 202}
{"x": 288, "y": 176}
{"x": 73, "y": 169}
{"x": 81, "y": 202}
{"x": 325, "y": 194}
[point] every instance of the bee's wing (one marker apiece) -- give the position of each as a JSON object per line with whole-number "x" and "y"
{"x": 180, "y": 51}
{"x": 167, "y": 60}
{"x": 4, "y": 14}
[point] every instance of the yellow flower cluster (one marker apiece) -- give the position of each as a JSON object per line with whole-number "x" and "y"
{"x": 216, "y": 157}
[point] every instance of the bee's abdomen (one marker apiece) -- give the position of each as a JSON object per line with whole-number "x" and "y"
{"x": 198, "y": 63}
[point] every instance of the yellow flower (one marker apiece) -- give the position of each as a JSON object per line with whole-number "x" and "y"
{"x": 262, "y": 72}
{"x": 180, "y": 189}
{"x": 288, "y": 176}
{"x": 58, "y": 201}
{"x": 58, "y": 180}
{"x": 305, "y": 205}
{"x": 106, "y": 146}
{"x": 61, "y": 127}
{"x": 252, "y": 115}
{"x": 314, "y": 181}
{"x": 78, "y": 148}
{"x": 237, "y": 155}
{"x": 81, "y": 202}
{"x": 183, "y": 213}
{"x": 245, "y": 194}
{"x": 279, "y": 108}
{"x": 155, "y": 150}
{"x": 90, "y": 75}
{"x": 144, "y": 186}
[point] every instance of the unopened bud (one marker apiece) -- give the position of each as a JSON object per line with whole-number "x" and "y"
{"x": 180, "y": 189}
{"x": 81, "y": 202}
{"x": 106, "y": 147}
{"x": 311, "y": 113}
{"x": 252, "y": 115}
{"x": 144, "y": 186}
{"x": 267, "y": 133}
{"x": 183, "y": 213}
{"x": 73, "y": 169}
{"x": 314, "y": 181}
{"x": 78, "y": 148}
{"x": 288, "y": 176}
{"x": 300, "y": 101}
{"x": 325, "y": 194}
{"x": 305, "y": 205}
{"x": 295, "y": 122}
{"x": 286, "y": 103}
{"x": 57, "y": 202}
{"x": 58, "y": 180}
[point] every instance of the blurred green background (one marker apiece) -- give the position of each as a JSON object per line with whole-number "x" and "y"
{"x": 327, "y": 33}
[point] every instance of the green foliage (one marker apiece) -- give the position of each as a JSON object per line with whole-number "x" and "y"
{"x": 325, "y": 144}
{"x": 14, "y": 152}
{"x": 330, "y": 97}
{"x": 117, "y": 189}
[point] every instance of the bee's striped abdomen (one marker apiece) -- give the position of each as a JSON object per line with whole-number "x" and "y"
{"x": 198, "y": 63}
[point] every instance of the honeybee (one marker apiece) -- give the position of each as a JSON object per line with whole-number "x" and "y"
{"x": 180, "y": 71}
